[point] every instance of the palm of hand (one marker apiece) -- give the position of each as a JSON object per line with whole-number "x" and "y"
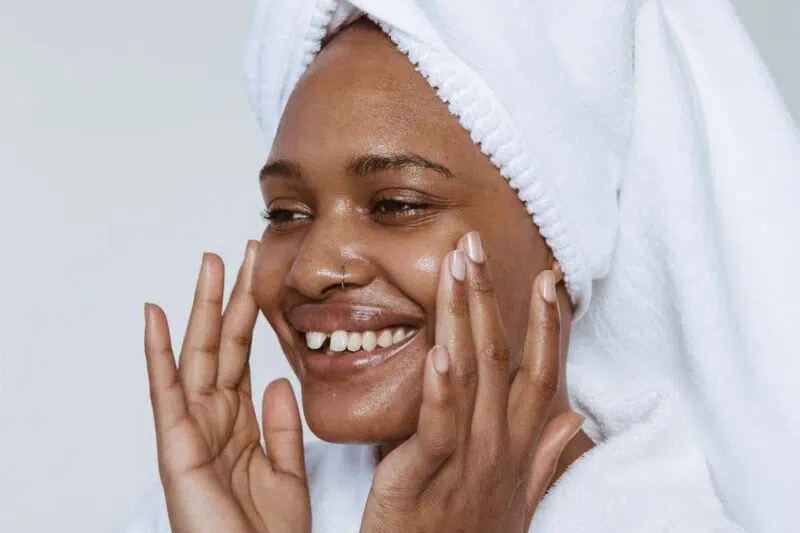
{"x": 215, "y": 473}
{"x": 220, "y": 441}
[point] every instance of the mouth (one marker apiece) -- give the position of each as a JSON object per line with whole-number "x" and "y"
{"x": 337, "y": 341}
{"x": 334, "y": 359}
{"x": 340, "y": 342}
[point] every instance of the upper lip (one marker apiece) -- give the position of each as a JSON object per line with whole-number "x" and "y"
{"x": 329, "y": 317}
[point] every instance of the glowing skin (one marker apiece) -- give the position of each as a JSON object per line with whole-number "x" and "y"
{"x": 389, "y": 223}
{"x": 370, "y": 186}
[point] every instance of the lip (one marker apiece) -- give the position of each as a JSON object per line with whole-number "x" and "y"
{"x": 329, "y": 317}
{"x": 323, "y": 365}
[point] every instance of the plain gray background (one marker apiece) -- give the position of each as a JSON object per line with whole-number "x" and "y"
{"x": 126, "y": 150}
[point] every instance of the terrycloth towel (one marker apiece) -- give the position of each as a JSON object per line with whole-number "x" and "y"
{"x": 660, "y": 163}
{"x": 640, "y": 480}
{"x": 658, "y": 160}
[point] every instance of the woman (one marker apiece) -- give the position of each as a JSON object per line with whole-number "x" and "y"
{"x": 427, "y": 317}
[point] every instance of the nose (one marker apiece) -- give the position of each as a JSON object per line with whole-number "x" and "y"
{"x": 330, "y": 258}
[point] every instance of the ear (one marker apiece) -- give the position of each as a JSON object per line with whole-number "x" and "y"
{"x": 555, "y": 266}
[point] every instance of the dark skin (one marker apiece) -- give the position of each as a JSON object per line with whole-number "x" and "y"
{"x": 369, "y": 171}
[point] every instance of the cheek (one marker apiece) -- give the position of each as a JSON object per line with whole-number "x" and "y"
{"x": 513, "y": 272}
{"x": 412, "y": 265}
{"x": 271, "y": 267}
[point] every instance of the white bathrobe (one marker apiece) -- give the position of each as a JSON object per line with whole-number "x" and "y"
{"x": 659, "y": 162}
{"x": 642, "y": 477}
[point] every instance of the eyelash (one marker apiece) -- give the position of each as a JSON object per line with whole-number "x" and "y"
{"x": 272, "y": 216}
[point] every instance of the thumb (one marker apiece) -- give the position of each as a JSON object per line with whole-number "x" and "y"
{"x": 283, "y": 430}
{"x": 552, "y": 441}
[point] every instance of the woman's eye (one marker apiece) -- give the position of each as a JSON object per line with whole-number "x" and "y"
{"x": 396, "y": 207}
{"x": 282, "y": 216}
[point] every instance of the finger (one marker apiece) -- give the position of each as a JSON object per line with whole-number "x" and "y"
{"x": 453, "y": 330}
{"x": 245, "y": 384}
{"x": 238, "y": 322}
{"x": 489, "y": 340}
{"x": 166, "y": 392}
{"x": 536, "y": 382}
{"x": 552, "y": 441}
{"x": 411, "y": 466}
{"x": 283, "y": 431}
{"x": 199, "y": 353}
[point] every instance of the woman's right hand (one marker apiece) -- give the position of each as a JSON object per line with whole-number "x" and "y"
{"x": 215, "y": 474}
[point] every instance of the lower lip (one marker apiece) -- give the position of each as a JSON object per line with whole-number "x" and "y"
{"x": 346, "y": 363}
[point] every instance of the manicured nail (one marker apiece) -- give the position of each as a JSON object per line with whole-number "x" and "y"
{"x": 441, "y": 359}
{"x": 474, "y": 247}
{"x": 458, "y": 265}
{"x": 547, "y": 286}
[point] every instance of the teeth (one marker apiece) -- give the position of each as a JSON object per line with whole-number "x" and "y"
{"x": 368, "y": 341}
{"x": 338, "y": 341}
{"x": 385, "y": 338}
{"x": 399, "y": 335}
{"x": 354, "y": 341}
{"x": 315, "y": 339}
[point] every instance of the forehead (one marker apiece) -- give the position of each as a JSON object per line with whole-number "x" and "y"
{"x": 362, "y": 94}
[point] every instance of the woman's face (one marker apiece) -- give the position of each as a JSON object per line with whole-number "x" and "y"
{"x": 370, "y": 173}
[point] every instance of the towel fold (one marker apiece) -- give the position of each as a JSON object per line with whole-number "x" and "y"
{"x": 658, "y": 160}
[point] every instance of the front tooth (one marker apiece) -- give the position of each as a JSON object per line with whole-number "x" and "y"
{"x": 354, "y": 341}
{"x": 315, "y": 339}
{"x": 385, "y": 338}
{"x": 399, "y": 335}
{"x": 369, "y": 340}
{"x": 338, "y": 341}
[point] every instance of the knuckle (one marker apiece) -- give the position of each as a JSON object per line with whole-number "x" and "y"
{"x": 439, "y": 443}
{"x": 492, "y": 451}
{"x": 391, "y": 493}
{"x": 547, "y": 381}
{"x": 206, "y": 349}
{"x": 466, "y": 373}
{"x": 481, "y": 283}
{"x": 496, "y": 352}
{"x": 458, "y": 307}
{"x": 240, "y": 339}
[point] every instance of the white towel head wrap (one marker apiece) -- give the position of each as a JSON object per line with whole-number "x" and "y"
{"x": 658, "y": 161}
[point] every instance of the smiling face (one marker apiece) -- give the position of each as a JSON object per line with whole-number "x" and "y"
{"x": 370, "y": 172}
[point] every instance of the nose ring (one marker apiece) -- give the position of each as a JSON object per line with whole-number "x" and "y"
{"x": 342, "y": 277}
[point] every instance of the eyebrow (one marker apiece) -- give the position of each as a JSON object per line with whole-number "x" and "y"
{"x": 361, "y": 166}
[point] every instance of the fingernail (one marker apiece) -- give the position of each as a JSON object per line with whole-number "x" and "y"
{"x": 547, "y": 286}
{"x": 146, "y": 313}
{"x": 458, "y": 265}
{"x": 441, "y": 359}
{"x": 474, "y": 247}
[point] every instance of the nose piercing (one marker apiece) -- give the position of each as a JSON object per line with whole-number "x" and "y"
{"x": 342, "y": 277}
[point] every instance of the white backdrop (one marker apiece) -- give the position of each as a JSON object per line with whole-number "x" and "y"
{"x": 126, "y": 150}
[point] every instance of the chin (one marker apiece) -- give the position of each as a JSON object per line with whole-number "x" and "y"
{"x": 384, "y": 411}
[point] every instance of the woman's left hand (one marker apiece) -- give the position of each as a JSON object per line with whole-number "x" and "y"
{"x": 483, "y": 454}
